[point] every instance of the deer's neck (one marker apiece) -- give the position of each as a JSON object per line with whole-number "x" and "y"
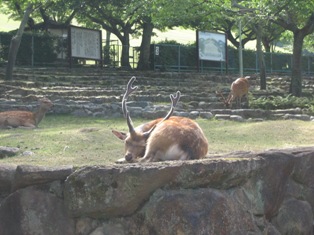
{"x": 40, "y": 114}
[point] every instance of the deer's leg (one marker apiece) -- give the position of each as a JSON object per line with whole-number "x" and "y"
{"x": 28, "y": 126}
{"x": 244, "y": 100}
{"x": 173, "y": 152}
{"x": 121, "y": 161}
{"x": 152, "y": 155}
{"x": 148, "y": 157}
{"x": 237, "y": 103}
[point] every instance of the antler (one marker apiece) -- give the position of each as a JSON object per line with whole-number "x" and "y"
{"x": 222, "y": 96}
{"x": 129, "y": 89}
{"x": 174, "y": 101}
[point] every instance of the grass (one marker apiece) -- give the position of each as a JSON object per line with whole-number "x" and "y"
{"x": 68, "y": 140}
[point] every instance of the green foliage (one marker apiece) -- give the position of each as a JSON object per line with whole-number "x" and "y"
{"x": 58, "y": 11}
{"x": 279, "y": 102}
{"x": 126, "y": 17}
{"x": 169, "y": 42}
{"x": 172, "y": 54}
{"x": 186, "y": 13}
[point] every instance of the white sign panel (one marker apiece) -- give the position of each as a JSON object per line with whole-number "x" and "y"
{"x": 85, "y": 43}
{"x": 212, "y": 46}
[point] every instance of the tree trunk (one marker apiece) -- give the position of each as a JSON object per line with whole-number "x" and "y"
{"x": 107, "y": 49}
{"x": 296, "y": 76}
{"x": 125, "y": 55}
{"x": 143, "y": 63}
{"x": 16, "y": 41}
{"x": 261, "y": 60}
{"x": 266, "y": 45}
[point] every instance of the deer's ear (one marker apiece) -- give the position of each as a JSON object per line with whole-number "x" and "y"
{"x": 119, "y": 134}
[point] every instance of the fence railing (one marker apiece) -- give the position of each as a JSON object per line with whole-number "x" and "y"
{"x": 184, "y": 58}
{"x": 47, "y": 50}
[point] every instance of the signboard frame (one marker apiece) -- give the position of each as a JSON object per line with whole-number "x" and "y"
{"x": 212, "y": 46}
{"x": 84, "y": 43}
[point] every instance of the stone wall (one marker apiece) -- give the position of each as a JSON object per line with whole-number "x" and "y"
{"x": 271, "y": 192}
{"x": 98, "y": 93}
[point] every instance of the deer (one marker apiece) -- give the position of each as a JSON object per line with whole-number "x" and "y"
{"x": 239, "y": 89}
{"x": 162, "y": 139}
{"x": 25, "y": 119}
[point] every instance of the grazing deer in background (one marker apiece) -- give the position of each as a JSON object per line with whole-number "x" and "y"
{"x": 25, "y": 119}
{"x": 239, "y": 89}
{"x": 168, "y": 138}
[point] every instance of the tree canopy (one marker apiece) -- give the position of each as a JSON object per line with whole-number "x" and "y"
{"x": 46, "y": 13}
{"x": 297, "y": 17}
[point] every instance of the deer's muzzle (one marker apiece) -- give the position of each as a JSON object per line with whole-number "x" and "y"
{"x": 128, "y": 157}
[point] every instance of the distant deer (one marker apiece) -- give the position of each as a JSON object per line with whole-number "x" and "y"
{"x": 25, "y": 119}
{"x": 168, "y": 138}
{"x": 239, "y": 89}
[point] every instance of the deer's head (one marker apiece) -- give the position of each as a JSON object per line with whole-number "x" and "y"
{"x": 226, "y": 101}
{"x": 45, "y": 103}
{"x": 136, "y": 140}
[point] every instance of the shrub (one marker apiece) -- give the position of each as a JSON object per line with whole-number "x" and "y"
{"x": 45, "y": 50}
{"x": 282, "y": 102}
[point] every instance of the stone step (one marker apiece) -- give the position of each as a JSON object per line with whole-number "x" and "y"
{"x": 80, "y": 87}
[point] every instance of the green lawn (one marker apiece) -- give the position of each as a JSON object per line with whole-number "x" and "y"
{"x": 63, "y": 140}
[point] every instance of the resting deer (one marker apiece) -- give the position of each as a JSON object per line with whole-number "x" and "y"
{"x": 239, "y": 89}
{"x": 25, "y": 119}
{"x": 168, "y": 138}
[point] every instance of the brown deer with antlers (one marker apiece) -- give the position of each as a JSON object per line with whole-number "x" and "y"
{"x": 25, "y": 119}
{"x": 168, "y": 138}
{"x": 239, "y": 89}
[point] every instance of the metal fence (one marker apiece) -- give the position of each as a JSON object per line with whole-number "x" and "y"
{"x": 46, "y": 50}
{"x": 184, "y": 58}
{"x": 51, "y": 51}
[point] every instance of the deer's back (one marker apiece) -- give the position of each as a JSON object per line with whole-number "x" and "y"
{"x": 17, "y": 118}
{"x": 240, "y": 87}
{"x": 179, "y": 134}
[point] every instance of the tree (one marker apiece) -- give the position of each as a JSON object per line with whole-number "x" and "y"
{"x": 265, "y": 31}
{"x": 16, "y": 41}
{"x": 118, "y": 17}
{"x": 261, "y": 61}
{"x": 233, "y": 37}
{"x": 148, "y": 26}
{"x": 145, "y": 14}
{"x": 224, "y": 17}
{"x": 253, "y": 13}
{"x": 271, "y": 33}
{"x": 297, "y": 17}
{"x": 159, "y": 14}
{"x": 49, "y": 13}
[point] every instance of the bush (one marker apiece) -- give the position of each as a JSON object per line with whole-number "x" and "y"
{"x": 45, "y": 50}
{"x": 173, "y": 55}
{"x": 279, "y": 102}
